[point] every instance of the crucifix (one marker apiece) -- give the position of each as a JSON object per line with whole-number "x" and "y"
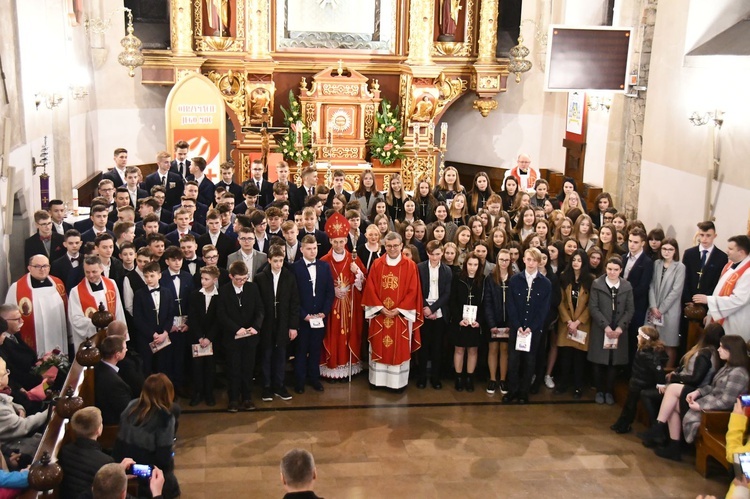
{"x": 265, "y": 132}
{"x": 471, "y": 296}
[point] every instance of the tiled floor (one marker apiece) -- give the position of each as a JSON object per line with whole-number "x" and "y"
{"x": 427, "y": 443}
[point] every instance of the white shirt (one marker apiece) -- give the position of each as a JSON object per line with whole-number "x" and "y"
{"x": 214, "y": 237}
{"x": 631, "y": 261}
{"x": 276, "y": 276}
{"x": 291, "y": 252}
{"x": 209, "y": 295}
{"x": 248, "y": 259}
{"x": 313, "y": 271}
{"x": 73, "y": 259}
{"x": 701, "y": 249}
{"x": 261, "y": 242}
{"x": 156, "y": 297}
{"x": 530, "y": 277}
{"x": 237, "y": 290}
{"x": 121, "y": 173}
{"x": 612, "y": 284}
{"x": 113, "y": 366}
{"x": 59, "y": 227}
{"x": 105, "y": 268}
{"x": 175, "y": 278}
{"x": 434, "y": 292}
{"x": 199, "y": 179}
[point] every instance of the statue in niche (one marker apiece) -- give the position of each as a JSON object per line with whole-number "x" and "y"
{"x": 259, "y": 99}
{"x": 217, "y": 13}
{"x": 423, "y": 108}
{"x": 448, "y": 19}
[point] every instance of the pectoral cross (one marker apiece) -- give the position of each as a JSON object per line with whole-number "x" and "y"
{"x": 265, "y": 132}
{"x": 470, "y": 296}
{"x": 179, "y": 305}
{"x": 504, "y": 287}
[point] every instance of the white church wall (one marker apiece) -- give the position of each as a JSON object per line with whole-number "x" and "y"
{"x": 676, "y": 154}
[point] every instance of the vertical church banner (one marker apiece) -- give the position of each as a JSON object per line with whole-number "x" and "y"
{"x": 195, "y": 113}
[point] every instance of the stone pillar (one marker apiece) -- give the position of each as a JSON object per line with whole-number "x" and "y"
{"x": 421, "y": 24}
{"x": 258, "y": 30}
{"x": 633, "y": 113}
{"x": 181, "y": 27}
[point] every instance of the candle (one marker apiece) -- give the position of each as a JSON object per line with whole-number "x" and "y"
{"x": 431, "y": 134}
{"x": 298, "y": 134}
{"x": 75, "y": 202}
{"x": 416, "y": 136}
{"x": 444, "y": 136}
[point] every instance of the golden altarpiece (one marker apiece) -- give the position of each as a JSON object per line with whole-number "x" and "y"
{"x": 339, "y": 58}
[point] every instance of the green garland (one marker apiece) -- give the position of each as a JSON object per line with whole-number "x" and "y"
{"x": 388, "y": 140}
{"x": 286, "y": 144}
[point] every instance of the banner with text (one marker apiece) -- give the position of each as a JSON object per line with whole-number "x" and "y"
{"x": 195, "y": 113}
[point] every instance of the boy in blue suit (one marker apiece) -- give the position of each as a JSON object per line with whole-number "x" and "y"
{"x": 153, "y": 316}
{"x": 315, "y": 284}
{"x": 181, "y": 284}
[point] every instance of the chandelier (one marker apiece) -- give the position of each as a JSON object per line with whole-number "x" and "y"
{"x": 131, "y": 57}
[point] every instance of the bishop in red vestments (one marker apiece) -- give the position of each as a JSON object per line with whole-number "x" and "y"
{"x": 343, "y": 339}
{"x": 393, "y": 304}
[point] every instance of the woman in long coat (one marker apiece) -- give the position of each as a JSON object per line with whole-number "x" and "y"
{"x": 611, "y": 308}
{"x": 664, "y": 297}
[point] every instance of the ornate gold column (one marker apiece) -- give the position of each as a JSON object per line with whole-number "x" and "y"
{"x": 489, "y": 77}
{"x": 258, "y": 30}
{"x": 421, "y": 26}
{"x": 181, "y": 27}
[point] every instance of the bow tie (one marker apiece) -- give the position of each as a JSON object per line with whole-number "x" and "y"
{"x": 175, "y": 276}
{"x": 97, "y": 287}
{"x": 311, "y": 264}
{"x": 156, "y": 290}
{"x": 45, "y": 239}
{"x": 191, "y": 261}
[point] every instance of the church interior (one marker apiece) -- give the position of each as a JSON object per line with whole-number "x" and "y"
{"x": 468, "y": 82}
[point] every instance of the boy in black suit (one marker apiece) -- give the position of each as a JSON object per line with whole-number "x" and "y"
{"x": 153, "y": 316}
{"x": 223, "y": 243}
{"x": 241, "y": 319}
{"x": 265, "y": 188}
{"x": 278, "y": 289}
{"x": 172, "y": 182}
{"x": 228, "y": 183}
{"x": 293, "y": 248}
{"x": 180, "y": 283}
{"x": 205, "y": 186}
{"x": 111, "y": 393}
{"x": 309, "y": 217}
{"x": 202, "y": 318}
{"x": 46, "y": 241}
{"x": 57, "y": 212}
{"x": 637, "y": 269}
{"x": 62, "y": 267}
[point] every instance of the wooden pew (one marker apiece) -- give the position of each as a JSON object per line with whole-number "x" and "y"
{"x": 712, "y": 440}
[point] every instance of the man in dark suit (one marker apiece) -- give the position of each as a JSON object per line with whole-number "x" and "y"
{"x": 308, "y": 219}
{"x": 204, "y": 328}
{"x": 196, "y": 210}
{"x": 265, "y": 188}
{"x": 316, "y": 293}
{"x": 117, "y": 174}
{"x": 278, "y": 290}
{"x": 293, "y": 248}
{"x": 147, "y": 207}
{"x": 637, "y": 269}
{"x": 241, "y": 317}
{"x": 99, "y": 216}
{"x": 228, "y": 183}
{"x": 122, "y": 200}
{"x": 63, "y": 266}
{"x": 111, "y": 393}
{"x": 159, "y": 193}
{"x": 181, "y": 227}
{"x": 131, "y": 184}
{"x": 105, "y": 247}
{"x": 130, "y": 367}
{"x": 181, "y": 284}
{"x": 57, "y": 212}
{"x": 172, "y": 182}
{"x": 703, "y": 264}
{"x": 298, "y": 195}
{"x": 223, "y": 243}
{"x": 153, "y": 318}
{"x": 205, "y": 186}
{"x": 436, "y": 279}
{"x": 180, "y": 164}
{"x": 46, "y": 241}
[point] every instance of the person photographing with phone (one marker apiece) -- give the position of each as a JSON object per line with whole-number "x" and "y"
{"x": 112, "y": 481}
{"x": 738, "y": 449}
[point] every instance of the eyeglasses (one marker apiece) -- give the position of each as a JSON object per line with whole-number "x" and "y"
{"x": 17, "y": 319}
{"x": 392, "y": 246}
{"x": 663, "y": 248}
{"x": 39, "y": 267}
{"x": 246, "y": 238}
{"x": 212, "y": 257}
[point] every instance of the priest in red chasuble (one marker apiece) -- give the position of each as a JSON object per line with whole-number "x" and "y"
{"x": 343, "y": 339}
{"x": 393, "y": 303}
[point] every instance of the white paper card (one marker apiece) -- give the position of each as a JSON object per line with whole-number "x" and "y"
{"x": 651, "y": 319}
{"x": 470, "y": 313}
{"x": 317, "y": 322}
{"x": 610, "y": 343}
{"x": 523, "y": 342}
{"x": 503, "y": 332}
{"x": 579, "y": 336}
{"x": 155, "y": 347}
{"x": 179, "y": 321}
{"x": 199, "y": 351}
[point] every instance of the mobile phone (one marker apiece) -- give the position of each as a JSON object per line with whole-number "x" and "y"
{"x": 742, "y": 465}
{"x": 140, "y": 470}
{"x": 745, "y": 400}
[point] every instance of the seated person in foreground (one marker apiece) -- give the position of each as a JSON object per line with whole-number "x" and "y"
{"x": 14, "y": 425}
{"x": 298, "y": 474}
{"x": 111, "y": 393}
{"x": 81, "y": 459}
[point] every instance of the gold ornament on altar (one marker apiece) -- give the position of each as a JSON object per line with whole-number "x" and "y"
{"x": 131, "y": 57}
{"x": 518, "y": 63}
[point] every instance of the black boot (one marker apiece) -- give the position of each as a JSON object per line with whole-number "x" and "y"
{"x": 620, "y": 426}
{"x": 671, "y": 451}
{"x": 656, "y": 435}
{"x": 470, "y": 382}
{"x": 459, "y": 383}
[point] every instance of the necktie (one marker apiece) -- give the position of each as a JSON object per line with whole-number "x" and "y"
{"x": 182, "y": 170}
{"x": 704, "y": 257}
{"x": 164, "y": 181}
{"x": 310, "y": 191}
{"x": 257, "y": 183}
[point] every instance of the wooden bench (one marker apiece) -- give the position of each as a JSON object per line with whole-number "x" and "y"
{"x": 712, "y": 440}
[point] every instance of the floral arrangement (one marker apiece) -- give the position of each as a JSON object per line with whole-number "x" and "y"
{"x": 287, "y": 142}
{"x": 52, "y": 359}
{"x": 388, "y": 140}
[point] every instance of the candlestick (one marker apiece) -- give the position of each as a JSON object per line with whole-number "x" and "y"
{"x": 298, "y": 134}
{"x": 431, "y": 134}
{"x": 444, "y": 136}
{"x": 415, "y": 128}
{"x": 329, "y": 136}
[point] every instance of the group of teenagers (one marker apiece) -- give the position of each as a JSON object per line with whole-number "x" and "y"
{"x": 548, "y": 291}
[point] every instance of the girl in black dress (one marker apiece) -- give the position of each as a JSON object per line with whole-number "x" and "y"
{"x": 394, "y": 197}
{"x": 467, "y": 292}
{"x": 372, "y": 249}
{"x": 449, "y": 185}
{"x": 480, "y": 192}
{"x": 425, "y": 201}
{"x": 509, "y": 192}
{"x": 458, "y": 213}
{"x": 495, "y": 291}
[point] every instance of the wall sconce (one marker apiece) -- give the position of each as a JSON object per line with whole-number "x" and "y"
{"x": 78, "y": 92}
{"x": 50, "y": 100}
{"x": 700, "y": 119}
{"x": 598, "y": 103}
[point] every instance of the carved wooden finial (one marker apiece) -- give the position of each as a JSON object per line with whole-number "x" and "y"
{"x": 340, "y": 69}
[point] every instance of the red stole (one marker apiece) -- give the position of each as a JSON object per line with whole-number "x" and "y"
{"x": 25, "y": 300}
{"x": 88, "y": 302}
{"x": 728, "y": 288}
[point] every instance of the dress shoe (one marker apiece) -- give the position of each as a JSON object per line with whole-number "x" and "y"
{"x": 459, "y": 383}
{"x": 523, "y": 399}
{"x": 436, "y": 384}
{"x": 671, "y": 451}
{"x": 233, "y": 407}
{"x": 422, "y": 384}
{"x": 317, "y": 386}
{"x": 195, "y": 400}
{"x": 248, "y": 405}
{"x": 299, "y": 390}
{"x": 656, "y": 435}
{"x": 267, "y": 395}
{"x": 509, "y": 398}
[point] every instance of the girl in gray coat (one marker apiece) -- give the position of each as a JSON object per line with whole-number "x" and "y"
{"x": 611, "y": 308}
{"x": 14, "y": 424}
{"x": 664, "y": 294}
